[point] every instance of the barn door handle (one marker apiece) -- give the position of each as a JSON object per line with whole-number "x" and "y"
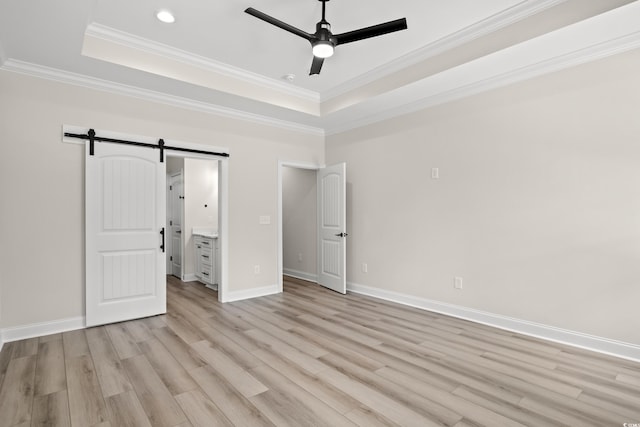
{"x": 342, "y": 234}
{"x": 162, "y": 234}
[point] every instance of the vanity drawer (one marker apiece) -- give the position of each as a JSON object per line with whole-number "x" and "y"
{"x": 205, "y": 242}
{"x": 206, "y": 257}
{"x": 207, "y": 275}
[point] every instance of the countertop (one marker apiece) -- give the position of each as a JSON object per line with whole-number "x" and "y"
{"x": 205, "y": 232}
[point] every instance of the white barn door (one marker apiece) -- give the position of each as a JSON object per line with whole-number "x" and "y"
{"x": 125, "y": 219}
{"x": 332, "y": 222}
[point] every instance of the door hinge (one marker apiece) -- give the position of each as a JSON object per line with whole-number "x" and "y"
{"x": 170, "y": 258}
{"x": 170, "y": 222}
{"x": 171, "y": 187}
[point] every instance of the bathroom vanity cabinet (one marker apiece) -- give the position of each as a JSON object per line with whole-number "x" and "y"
{"x": 206, "y": 254}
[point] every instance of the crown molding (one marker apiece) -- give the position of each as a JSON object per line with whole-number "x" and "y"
{"x": 603, "y": 35}
{"x": 617, "y": 31}
{"x": 76, "y": 79}
{"x": 128, "y": 40}
{"x": 495, "y": 22}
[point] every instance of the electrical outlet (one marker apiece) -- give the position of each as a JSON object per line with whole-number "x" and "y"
{"x": 435, "y": 173}
{"x": 299, "y": 257}
{"x": 457, "y": 282}
{"x": 365, "y": 267}
{"x": 256, "y": 269}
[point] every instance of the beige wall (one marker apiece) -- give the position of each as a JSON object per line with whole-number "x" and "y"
{"x": 299, "y": 225}
{"x": 42, "y": 190}
{"x": 537, "y": 207}
{"x": 200, "y": 189}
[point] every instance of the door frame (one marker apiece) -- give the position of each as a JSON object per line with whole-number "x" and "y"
{"x": 223, "y": 185}
{"x": 223, "y": 206}
{"x": 281, "y": 165}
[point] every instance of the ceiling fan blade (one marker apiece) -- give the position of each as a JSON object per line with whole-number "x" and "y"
{"x": 373, "y": 31}
{"x": 273, "y": 21}
{"x": 316, "y": 65}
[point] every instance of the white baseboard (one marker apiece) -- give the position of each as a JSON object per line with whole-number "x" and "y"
{"x": 231, "y": 296}
{"x": 563, "y": 336}
{"x": 41, "y": 329}
{"x": 300, "y": 275}
{"x": 190, "y": 278}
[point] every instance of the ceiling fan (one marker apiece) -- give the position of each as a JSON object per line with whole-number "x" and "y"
{"x": 323, "y": 41}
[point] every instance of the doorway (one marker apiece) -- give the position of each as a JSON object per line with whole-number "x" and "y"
{"x": 312, "y": 224}
{"x": 194, "y": 219}
{"x": 299, "y": 223}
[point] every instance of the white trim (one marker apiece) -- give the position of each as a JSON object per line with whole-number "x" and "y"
{"x": 309, "y": 277}
{"x": 550, "y": 333}
{"x": 231, "y": 296}
{"x": 486, "y": 26}
{"x": 48, "y": 73}
{"x": 122, "y": 38}
{"x": 223, "y": 230}
{"x": 191, "y": 277}
{"x": 498, "y": 69}
{"x": 41, "y": 329}
{"x": 610, "y": 33}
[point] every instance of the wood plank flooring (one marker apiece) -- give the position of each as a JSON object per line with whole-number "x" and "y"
{"x": 307, "y": 357}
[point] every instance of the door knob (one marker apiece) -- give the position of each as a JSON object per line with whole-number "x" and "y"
{"x": 342, "y": 234}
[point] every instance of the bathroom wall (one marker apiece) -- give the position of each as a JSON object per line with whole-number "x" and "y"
{"x": 174, "y": 164}
{"x": 200, "y": 204}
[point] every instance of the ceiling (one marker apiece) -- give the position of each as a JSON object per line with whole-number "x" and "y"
{"x": 217, "y": 58}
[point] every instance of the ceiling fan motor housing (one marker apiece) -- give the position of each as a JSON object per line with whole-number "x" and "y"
{"x": 323, "y": 33}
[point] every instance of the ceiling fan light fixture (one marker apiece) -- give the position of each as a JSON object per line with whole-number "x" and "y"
{"x": 165, "y": 16}
{"x": 322, "y": 49}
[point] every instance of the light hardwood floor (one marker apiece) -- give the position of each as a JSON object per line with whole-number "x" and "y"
{"x": 307, "y": 357}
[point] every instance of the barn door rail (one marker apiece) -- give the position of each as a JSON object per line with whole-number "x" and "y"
{"x": 93, "y": 138}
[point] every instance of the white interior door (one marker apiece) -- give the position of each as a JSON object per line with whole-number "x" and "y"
{"x": 125, "y": 219}
{"x": 332, "y": 220}
{"x": 176, "y": 191}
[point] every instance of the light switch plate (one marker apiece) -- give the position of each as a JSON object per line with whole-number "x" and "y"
{"x": 265, "y": 219}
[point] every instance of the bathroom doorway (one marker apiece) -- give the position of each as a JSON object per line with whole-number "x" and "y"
{"x": 193, "y": 214}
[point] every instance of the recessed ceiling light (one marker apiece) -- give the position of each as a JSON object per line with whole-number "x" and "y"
{"x": 289, "y": 77}
{"x": 165, "y": 16}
